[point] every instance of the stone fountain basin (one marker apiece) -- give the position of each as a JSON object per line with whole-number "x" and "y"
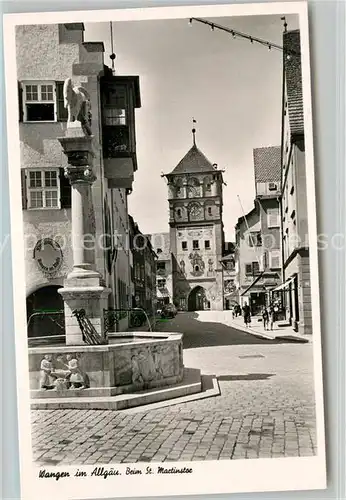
{"x": 131, "y": 362}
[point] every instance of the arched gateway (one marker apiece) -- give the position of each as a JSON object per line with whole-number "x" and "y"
{"x": 45, "y": 312}
{"x": 197, "y": 299}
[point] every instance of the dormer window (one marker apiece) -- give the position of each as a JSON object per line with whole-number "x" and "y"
{"x": 273, "y": 186}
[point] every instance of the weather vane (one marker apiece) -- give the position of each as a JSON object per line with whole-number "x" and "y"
{"x": 194, "y": 131}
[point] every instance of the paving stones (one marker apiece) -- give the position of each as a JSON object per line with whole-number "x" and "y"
{"x": 252, "y": 418}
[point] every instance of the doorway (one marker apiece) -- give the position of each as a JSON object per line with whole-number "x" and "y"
{"x": 197, "y": 299}
{"x": 257, "y": 302}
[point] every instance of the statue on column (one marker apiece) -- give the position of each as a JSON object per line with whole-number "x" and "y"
{"x": 77, "y": 102}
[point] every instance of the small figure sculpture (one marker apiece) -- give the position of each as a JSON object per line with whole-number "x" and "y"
{"x": 136, "y": 373}
{"x": 46, "y": 370}
{"x": 77, "y": 102}
{"x": 76, "y": 377}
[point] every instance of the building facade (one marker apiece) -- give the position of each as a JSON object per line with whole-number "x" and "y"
{"x": 143, "y": 270}
{"x": 258, "y": 235}
{"x": 196, "y": 232}
{"x": 164, "y": 275}
{"x": 46, "y": 56}
{"x": 296, "y": 290}
{"x": 229, "y": 273}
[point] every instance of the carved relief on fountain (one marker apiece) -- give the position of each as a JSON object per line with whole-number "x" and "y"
{"x": 156, "y": 363}
{"x": 62, "y": 373}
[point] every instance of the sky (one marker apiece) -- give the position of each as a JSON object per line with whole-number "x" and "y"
{"x": 231, "y": 87}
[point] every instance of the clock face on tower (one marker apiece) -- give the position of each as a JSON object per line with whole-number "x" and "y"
{"x": 195, "y": 211}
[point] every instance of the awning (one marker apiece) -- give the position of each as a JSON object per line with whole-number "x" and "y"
{"x": 283, "y": 285}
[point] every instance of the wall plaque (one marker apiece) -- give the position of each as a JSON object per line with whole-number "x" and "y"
{"x": 48, "y": 256}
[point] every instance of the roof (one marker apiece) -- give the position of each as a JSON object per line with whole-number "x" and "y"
{"x": 293, "y": 76}
{"x": 193, "y": 162}
{"x": 267, "y": 164}
{"x": 245, "y": 217}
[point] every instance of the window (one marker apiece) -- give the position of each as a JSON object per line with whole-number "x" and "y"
{"x": 159, "y": 250}
{"x": 114, "y": 106}
{"x": 255, "y": 268}
{"x": 255, "y": 239}
{"x": 184, "y": 245}
{"x": 274, "y": 259}
{"x": 248, "y": 269}
{"x": 161, "y": 283}
{"x": 43, "y": 189}
{"x": 292, "y": 190}
{"x": 210, "y": 211}
{"x": 179, "y": 212}
{"x": 207, "y": 244}
{"x": 273, "y": 217}
{"x": 293, "y": 214}
{"x": 196, "y": 268}
{"x": 195, "y": 244}
{"x": 252, "y": 269}
{"x": 112, "y": 116}
{"x": 39, "y": 102}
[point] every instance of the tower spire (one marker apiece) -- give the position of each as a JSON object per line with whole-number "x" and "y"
{"x": 194, "y": 131}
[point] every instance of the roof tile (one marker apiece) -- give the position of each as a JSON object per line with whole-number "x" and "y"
{"x": 193, "y": 162}
{"x": 267, "y": 164}
{"x": 294, "y": 86}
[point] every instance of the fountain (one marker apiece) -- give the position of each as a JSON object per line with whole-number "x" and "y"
{"x": 91, "y": 370}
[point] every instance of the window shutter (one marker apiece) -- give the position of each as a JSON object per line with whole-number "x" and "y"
{"x": 20, "y": 102}
{"x": 24, "y": 190}
{"x": 273, "y": 217}
{"x": 275, "y": 260}
{"x": 60, "y": 107}
{"x": 65, "y": 190}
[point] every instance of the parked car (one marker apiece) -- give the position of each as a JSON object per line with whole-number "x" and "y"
{"x": 168, "y": 311}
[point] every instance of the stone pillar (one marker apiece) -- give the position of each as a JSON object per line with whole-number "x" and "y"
{"x": 84, "y": 286}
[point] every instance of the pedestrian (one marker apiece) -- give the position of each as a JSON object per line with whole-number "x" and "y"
{"x": 247, "y": 315}
{"x": 271, "y": 315}
{"x": 265, "y": 317}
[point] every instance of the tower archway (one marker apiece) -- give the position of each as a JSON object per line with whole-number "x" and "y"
{"x": 197, "y": 300}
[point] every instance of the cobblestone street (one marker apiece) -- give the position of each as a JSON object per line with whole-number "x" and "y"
{"x": 266, "y": 408}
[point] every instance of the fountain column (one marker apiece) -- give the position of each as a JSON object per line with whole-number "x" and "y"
{"x": 83, "y": 287}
